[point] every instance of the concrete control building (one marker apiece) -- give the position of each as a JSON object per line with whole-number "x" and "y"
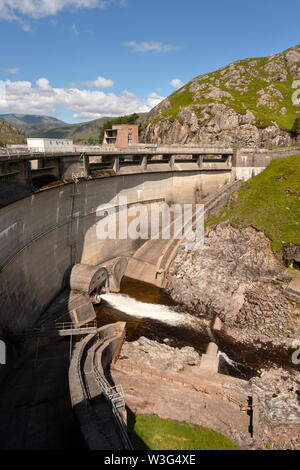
{"x": 121, "y": 136}
{"x": 49, "y": 145}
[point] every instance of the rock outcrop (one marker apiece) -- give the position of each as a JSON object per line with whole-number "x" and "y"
{"x": 238, "y": 278}
{"x": 148, "y": 353}
{"x": 251, "y": 102}
{"x": 10, "y": 134}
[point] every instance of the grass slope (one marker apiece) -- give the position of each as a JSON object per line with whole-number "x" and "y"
{"x": 151, "y": 432}
{"x": 270, "y": 202}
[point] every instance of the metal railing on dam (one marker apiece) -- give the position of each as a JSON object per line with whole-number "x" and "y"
{"x": 29, "y": 171}
{"x": 25, "y": 167}
{"x": 150, "y": 149}
{"x": 99, "y": 407}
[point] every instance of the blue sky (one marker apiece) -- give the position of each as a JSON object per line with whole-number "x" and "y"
{"x": 83, "y": 59}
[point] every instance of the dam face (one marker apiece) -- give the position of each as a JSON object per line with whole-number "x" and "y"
{"x": 43, "y": 235}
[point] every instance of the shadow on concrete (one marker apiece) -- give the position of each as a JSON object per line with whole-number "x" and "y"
{"x": 35, "y": 407}
{"x": 39, "y": 182}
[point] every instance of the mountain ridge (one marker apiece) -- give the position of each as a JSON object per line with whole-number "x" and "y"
{"x": 82, "y": 132}
{"x": 31, "y": 122}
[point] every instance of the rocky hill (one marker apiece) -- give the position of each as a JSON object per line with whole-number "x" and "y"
{"x": 247, "y": 103}
{"x": 10, "y": 134}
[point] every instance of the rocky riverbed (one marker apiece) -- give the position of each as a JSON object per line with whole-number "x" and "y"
{"x": 152, "y": 354}
{"x": 237, "y": 278}
{"x": 277, "y": 391}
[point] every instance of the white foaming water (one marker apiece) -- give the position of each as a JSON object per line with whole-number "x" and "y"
{"x": 229, "y": 361}
{"x": 134, "y": 308}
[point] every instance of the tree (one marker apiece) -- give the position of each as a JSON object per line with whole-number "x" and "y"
{"x": 296, "y": 127}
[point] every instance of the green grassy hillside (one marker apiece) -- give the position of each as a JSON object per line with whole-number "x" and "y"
{"x": 270, "y": 202}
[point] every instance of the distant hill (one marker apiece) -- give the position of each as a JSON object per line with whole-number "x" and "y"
{"x": 52, "y": 128}
{"x": 85, "y": 132}
{"x": 30, "y": 122}
{"x": 10, "y": 134}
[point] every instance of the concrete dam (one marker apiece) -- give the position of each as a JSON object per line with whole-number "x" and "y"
{"x": 49, "y": 213}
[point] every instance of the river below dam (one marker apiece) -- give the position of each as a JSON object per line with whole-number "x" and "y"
{"x": 149, "y": 311}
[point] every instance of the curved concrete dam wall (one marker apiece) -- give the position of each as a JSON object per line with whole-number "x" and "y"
{"x": 41, "y": 236}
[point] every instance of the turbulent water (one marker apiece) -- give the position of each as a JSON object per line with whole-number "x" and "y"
{"x": 137, "y": 309}
{"x": 231, "y": 363}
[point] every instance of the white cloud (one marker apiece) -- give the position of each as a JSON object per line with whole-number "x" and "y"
{"x": 44, "y": 84}
{"x": 153, "y": 99}
{"x": 176, "y": 83}
{"x": 150, "y": 46}
{"x": 16, "y": 10}
{"x": 17, "y": 88}
{"x": 24, "y": 98}
{"x": 101, "y": 82}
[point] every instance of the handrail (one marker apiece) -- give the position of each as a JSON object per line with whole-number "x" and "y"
{"x": 112, "y": 394}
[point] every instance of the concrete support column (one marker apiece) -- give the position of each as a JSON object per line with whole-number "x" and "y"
{"x": 75, "y": 166}
{"x": 210, "y": 360}
{"x": 116, "y": 164}
{"x": 86, "y": 165}
{"x": 236, "y": 158}
{"x": 144, "y": 162}
{"x": 200, "y": 161}
{"x": 19, "y": 172}
{"x": 172, "y": 162}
